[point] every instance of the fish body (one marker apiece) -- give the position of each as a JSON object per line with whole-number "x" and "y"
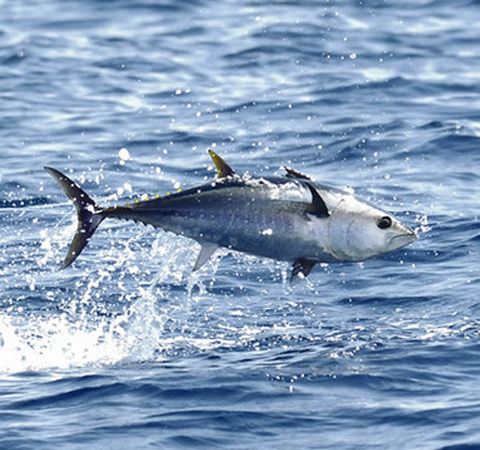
{"x": 264, "y": 217}
{"x": 284, "y": 218}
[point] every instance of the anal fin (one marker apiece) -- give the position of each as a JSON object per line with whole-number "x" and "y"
{"x": 207, "y": 250}
{"x": 303, "y": 266}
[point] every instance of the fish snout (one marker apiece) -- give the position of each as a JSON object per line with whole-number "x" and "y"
{"x": 404, "y": 236}
{"x": 411, "y": 233}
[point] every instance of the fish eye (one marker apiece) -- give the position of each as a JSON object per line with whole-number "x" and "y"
{"x": 384, "y": 223}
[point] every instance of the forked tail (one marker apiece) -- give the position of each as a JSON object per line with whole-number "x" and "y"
{"x": 89, "y": 214}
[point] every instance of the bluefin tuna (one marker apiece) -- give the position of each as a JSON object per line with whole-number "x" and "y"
{"x": 288, "y": 218}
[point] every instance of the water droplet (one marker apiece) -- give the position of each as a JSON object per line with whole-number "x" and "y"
{"x": 124, "y": 155}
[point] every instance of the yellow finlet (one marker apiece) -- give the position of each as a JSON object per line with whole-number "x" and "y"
{"x": 223, "y": 169}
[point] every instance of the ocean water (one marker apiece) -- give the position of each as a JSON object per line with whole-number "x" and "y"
{"x": 128, "y": 349}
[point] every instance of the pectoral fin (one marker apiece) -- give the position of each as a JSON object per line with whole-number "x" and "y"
{"x": 223, "y": 169}
{"x": 207, "y": 250}
{"x": 303, "y": 266}
{"x": 318, "y": 207}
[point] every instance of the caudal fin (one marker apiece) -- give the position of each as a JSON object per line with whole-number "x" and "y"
{"x": 88, "y": 213}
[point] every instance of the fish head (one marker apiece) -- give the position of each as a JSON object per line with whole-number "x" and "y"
{"x": 358, "y": 231}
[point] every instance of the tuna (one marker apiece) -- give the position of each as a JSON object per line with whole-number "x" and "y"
{"x": 288, "y": 218}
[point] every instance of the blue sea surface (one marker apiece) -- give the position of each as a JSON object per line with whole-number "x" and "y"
{"x": 128, "y": 349}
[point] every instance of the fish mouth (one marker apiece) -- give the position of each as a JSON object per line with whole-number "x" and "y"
{"x": 405, "y": 238}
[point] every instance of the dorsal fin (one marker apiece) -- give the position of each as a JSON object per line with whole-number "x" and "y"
{"x": 223, "y": 169}
{"x": 318, "y": 207}
{"x": 292, "y": 173}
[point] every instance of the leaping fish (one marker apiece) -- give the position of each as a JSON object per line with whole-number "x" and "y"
{"x": 289, "y": 218}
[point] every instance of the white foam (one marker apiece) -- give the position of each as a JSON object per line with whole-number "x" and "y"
{"x": 377, "y": 74}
